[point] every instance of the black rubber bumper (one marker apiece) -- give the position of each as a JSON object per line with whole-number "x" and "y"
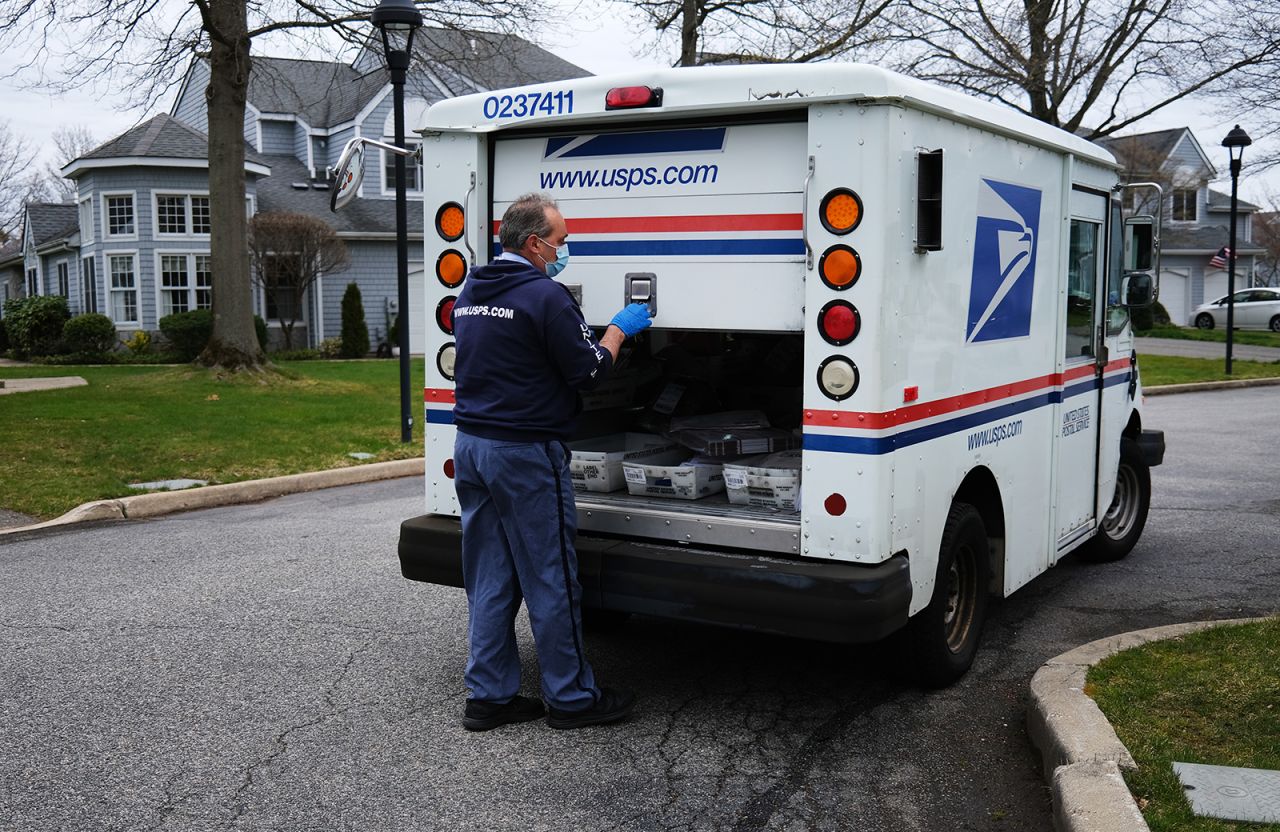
{"x": 1151, "y": 444}
{"x": 826, "y": 601}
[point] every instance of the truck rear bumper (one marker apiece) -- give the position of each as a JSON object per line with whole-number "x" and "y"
{"x": 826, "y": 601}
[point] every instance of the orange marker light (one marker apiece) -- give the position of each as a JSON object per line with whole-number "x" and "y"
{"x": 451, "y": 268}
{"x": 840, "y": 267}
{"x": 450, "y": 221}
{"x": 841, "y": 211}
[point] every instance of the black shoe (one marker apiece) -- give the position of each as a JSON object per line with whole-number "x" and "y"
{"x": 482, "y": 716}
{"x": 614, "y": 704}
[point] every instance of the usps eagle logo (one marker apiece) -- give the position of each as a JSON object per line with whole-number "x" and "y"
{"x": 1004, "y": 261}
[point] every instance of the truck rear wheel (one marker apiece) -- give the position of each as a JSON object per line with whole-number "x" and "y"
{"x": 942, "y": 639}
{"x": 1122, "y": 525}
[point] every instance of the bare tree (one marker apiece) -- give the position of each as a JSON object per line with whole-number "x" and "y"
{"x": 1145, "y": 161}
{"x": 19, "y": 181}
{"x": 759, "y": 31}
{"x": 143, "y": 46}
{"x": 288, "y": 252}
{"x": 1088, "y": 66}
{"x": 1266, "y": 235}
{"x": 69, "y": 142}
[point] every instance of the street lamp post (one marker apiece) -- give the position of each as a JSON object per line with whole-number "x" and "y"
{"x": 397, "y": 20}
{"x": 1235, "y": 143}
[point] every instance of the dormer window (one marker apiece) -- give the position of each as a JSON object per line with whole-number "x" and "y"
{"x": 1184, "y": 204}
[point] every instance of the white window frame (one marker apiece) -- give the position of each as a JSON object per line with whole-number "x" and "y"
{"x": 192, "y": 285}
{"x": 33, "y": 281}
{"x": 106, "y": 219}
{"x": 274, "y": 323}
{"x": 409, "y": 160}
{"x": 89, "y": 283}
{"x": 188, "y": 206}
{"x": 86, "y": 221}
{"x": 62, "y": 268}
{"x": 250, "y": 206}
{"x": 111, "y": 290}
{"x": 1195, "y": 204}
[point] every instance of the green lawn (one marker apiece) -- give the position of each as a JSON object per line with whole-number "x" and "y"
{"x": 1253, "y": 337}
{"x": 1211, "y": 697}
{"x": 1171, "y": 369}
{"x": 143, "y": 423}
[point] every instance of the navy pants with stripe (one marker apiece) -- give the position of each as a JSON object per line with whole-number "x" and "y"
{"x": 518, "y": 526}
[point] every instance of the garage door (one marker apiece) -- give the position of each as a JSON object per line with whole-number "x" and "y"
{"x": 1173, "y": 297}
{"x": 417, "y": 312}
{"x": 1215, "y": 285}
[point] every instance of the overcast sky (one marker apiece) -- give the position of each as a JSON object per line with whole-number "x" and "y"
{"x": 602, "y": 43}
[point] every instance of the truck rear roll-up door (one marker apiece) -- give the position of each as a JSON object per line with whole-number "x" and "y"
{"x": 714, "y": 213}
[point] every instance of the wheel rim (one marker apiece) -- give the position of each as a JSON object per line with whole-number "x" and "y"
{"x": 1122, "y": 515}
{"x": 1204, "y": 322}
{"x": 1275, "y": 324}
{"x": 962, "y": 595}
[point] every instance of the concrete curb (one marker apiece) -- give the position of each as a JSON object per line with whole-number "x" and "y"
{"x": 1195, "y": 387}
{"x": 210, "y": 496}
{"x": 1081, "y": 753}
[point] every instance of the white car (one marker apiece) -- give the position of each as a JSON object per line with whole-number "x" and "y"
{"x": 1255, "y": 309}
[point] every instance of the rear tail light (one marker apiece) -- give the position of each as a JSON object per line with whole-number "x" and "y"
{"x": 444, "y": 313}
{"x": 445, "y": 359}
{"x": 449, "y": 468}
{"x": 451, "y": 268}
{"x": 623, "y": 98}
{"x": 450, "y": 221}
{"x": 839, "y": 322}
{"x": 840, "y": 211}
{"x": 835, "y": 505}
{"x": 838, "y": 377}
{"x": 840, "y": 267}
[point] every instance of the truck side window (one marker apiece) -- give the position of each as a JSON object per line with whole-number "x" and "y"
{"x": 1082, "y": 286}
{"x": 1117, "y": 314}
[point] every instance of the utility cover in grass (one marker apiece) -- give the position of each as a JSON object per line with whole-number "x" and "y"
{"x": 167, "y": 485}
{"x": 1248, "y": 794}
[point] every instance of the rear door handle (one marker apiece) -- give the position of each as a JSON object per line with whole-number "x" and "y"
{"x": 642, "y": 287}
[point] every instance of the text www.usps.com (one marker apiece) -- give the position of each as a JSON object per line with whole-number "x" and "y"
{"x": 628, "y": 178}
{"x": 995, "y": 435}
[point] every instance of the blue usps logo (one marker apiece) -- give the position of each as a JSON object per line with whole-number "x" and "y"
{"x": 1004, "y": 262}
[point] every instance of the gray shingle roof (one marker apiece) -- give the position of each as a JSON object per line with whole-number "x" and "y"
{"x": 377, "y": 216}
{"x": 1142, "y": 147}
{"x": 490, "y": 61}
{"x": 323, "y": 93}
{"x": 11, "y": 252}
{"x": 1219, "y": 201}
{"x": 161, "y": 137}
{"x": 1207, "y": 239}
{"x": 51, "y": 221}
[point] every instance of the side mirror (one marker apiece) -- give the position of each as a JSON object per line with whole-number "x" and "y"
{"x": 1138, "y": 289}
{"x": 1139, "y": 243}
{"x": 347, "y": 174}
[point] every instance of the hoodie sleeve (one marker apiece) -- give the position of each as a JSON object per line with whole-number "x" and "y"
{"x": 582, "y": 362}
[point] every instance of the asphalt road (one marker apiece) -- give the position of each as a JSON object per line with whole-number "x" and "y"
{"x": 265, "y": 667}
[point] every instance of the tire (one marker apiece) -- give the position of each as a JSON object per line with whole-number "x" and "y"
{"x": 1204, "y": 321}
{"x": 1122, "y": 525}
{"x": 1275, "y": 323}
{"x": 597, "y": 620}
{"x": 941, "y": 640}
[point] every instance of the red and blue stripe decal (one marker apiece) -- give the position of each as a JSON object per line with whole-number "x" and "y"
{"x": 631, "y": 236}
{"x": 635, "y": 144}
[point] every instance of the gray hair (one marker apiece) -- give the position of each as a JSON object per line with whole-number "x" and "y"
{"x": 527, "y": 215}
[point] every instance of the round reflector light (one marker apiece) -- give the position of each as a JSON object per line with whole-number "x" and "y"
{"x": 835, "y": 505}
{"x": 841, "y": 211}
{"x": 444, "y": 313}
{"x": 451, "y": 268}
{"x": 448, "y": 468}
{"x": 840, "y": 267}
{"x": 838, "y": 377}
{"x": 450, "y": 221}
{"x": 445, "y": 360}
{"x": 839, "y": 322}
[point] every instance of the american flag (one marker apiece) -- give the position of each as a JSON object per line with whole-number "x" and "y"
{"x": 1219, "y": 260}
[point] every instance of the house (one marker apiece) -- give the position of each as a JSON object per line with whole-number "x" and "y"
{"x": 1196, "y": 217}
{"x": 136, "y": 243}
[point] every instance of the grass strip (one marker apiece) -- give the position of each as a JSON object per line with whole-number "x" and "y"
{"x": 1182, "y": 333}
{"x": 1211, "y": 697}
{"x": 144, "y": 423}
{"x": 1172, "y": 369}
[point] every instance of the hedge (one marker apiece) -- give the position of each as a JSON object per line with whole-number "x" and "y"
{"x": 34, "y": 325}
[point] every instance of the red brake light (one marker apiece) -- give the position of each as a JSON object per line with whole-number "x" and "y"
{"x": 839, "y": 322}
{"x": 622, "y": 98}
{"x": 444, "y": 314}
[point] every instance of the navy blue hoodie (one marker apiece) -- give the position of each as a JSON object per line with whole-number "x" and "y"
{"x": 524, "y": 352}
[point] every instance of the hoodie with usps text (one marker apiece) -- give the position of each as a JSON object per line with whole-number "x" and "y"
{"x": 523, "y": 354}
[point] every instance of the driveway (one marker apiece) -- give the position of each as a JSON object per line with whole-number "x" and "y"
{"x": 265, "y": 667}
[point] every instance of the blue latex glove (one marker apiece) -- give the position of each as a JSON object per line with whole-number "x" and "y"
{"x": 633, "y": 319}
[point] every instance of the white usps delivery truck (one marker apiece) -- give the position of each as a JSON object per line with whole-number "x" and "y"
{"x": 928, "y": 295}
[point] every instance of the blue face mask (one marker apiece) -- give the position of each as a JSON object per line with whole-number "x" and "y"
{"x": 558, "y": 265}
